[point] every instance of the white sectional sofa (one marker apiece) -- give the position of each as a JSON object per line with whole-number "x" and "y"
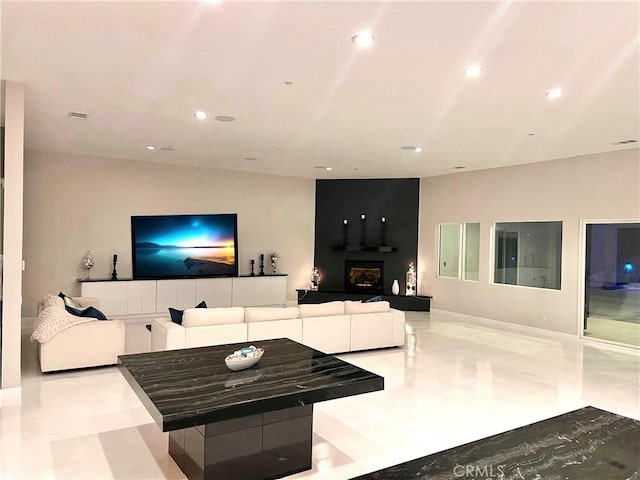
{"x": 70, "y": 344}
{"x": 332, "y": 327}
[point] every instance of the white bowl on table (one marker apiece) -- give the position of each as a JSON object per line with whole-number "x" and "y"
{"x": 237, "y": 361}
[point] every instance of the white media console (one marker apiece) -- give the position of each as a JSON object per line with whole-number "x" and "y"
{"x": 150, "y": 297}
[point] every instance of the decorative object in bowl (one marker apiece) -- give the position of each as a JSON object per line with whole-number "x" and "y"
{"x": 244, "y": 358}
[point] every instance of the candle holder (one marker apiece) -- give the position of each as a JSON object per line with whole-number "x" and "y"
{"x": 261, "y": 264}
{"x": 383, "y": 232}
{"x": 363, "y": 230}
{"x": 253, "y": 264}
{"x": 345, "y": 232}
{"x": 114, "y": 273}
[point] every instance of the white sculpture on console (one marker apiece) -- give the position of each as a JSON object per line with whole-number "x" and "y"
{"x": 87, "y": 263}
{"x": 411, "y": 280}
{"x": 314, "y": 284}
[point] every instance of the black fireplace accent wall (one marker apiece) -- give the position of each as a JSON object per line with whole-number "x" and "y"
{"x": 388, "y": 233}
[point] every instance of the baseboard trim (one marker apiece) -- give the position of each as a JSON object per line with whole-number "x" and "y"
{"x": 508, "y": 326}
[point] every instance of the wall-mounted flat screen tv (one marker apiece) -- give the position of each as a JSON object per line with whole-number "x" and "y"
{"x": 184, "y": 246}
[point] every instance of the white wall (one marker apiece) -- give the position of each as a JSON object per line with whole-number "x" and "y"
{"x": 12, "y": 233}
{"x": 79, "y": 203}
{"x": 604, "y": 186}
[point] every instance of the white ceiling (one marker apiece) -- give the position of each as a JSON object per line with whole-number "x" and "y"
{"x": 140, "y": 70}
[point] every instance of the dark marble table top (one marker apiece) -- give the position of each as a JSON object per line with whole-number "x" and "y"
{"x": 193, "y": 386}
{"x": 586, "y": 444}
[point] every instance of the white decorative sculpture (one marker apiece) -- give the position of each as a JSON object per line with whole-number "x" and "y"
{"x": 274, "y": 262}
{"x": 87, "y": 263}
{"x": 314, "y": 284}
{"x": 411, "y": 280}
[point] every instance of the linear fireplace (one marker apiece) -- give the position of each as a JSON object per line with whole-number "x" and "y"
{"x": 366, "y": 276}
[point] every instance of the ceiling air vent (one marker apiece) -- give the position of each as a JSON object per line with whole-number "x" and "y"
{"x": 624, "y": 142}
{"x": 78, "y": 115}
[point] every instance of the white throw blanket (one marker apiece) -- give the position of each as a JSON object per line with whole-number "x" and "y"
{"x": 53, "y": 320}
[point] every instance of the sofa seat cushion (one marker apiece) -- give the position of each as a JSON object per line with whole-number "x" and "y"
{"x": 262, "y": 314}
{"x": 351, "y": 307}
{"x": 321, "y": 309}
{"x": 200, "y": 317}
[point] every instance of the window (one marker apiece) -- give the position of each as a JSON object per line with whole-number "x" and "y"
{"x": 459, "y": 252}
{"x": 528, "y": 254}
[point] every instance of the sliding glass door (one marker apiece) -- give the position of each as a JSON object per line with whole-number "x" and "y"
{"x": 612, "y": 282}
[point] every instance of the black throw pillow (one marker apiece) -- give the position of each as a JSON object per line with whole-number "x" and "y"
{"x": 176, "y": 315}
{"x": 92, "y": 312}
{"x": 74, "y": 308}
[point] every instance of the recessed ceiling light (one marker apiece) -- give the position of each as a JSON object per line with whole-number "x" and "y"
{"x": 363, "y": 39}
{"x": 225, "y": 118}
{"x": 554, "y": 93}
{"x": 78, "y": 115}
{"x": 472, "y": 71}
{"x": 459, "y": 167}
{"x": 411, "y": 148}
{"x": 328, "y": 169}
{"x": 150, "y": 147}
{"x": 288, "y": 84}
{"x": 200, "y": 115}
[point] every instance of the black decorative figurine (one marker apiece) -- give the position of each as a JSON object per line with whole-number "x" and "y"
{"x": 114, "y": 274}
{"x": 261, "y": 264}
{"x": 253, "y": 264}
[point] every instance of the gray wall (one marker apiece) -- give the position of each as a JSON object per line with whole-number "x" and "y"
{"x": 593, "y": 187}
{"x": 77, "y": 203}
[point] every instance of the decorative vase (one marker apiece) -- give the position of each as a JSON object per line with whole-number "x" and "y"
{"x": 395, "y": 287}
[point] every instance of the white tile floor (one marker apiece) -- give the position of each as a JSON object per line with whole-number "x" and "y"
{"x": 454, "y": 382}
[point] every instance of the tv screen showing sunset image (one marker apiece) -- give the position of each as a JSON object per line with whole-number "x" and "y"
{"x": 182, "y": 246}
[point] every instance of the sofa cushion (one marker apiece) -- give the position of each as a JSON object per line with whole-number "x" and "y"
{"x": 321, "y": 309}
{"x": 199, "y": 317}
{"x": 176, "y": 315}
{"x": 51, "y": 301}
{"x": 89, "y": 312}
{"x": 261, "y": 314}
{"x": 372, "y": 307}
{"x": 74, "y": 307}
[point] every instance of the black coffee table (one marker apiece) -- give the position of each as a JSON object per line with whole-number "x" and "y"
{"x": 252, "y": 424}
{"x": 585, "y": 444}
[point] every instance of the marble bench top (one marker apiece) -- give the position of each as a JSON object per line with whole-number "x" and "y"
{"x": 586, "y": 444}
{"x": 193, "y": 386}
